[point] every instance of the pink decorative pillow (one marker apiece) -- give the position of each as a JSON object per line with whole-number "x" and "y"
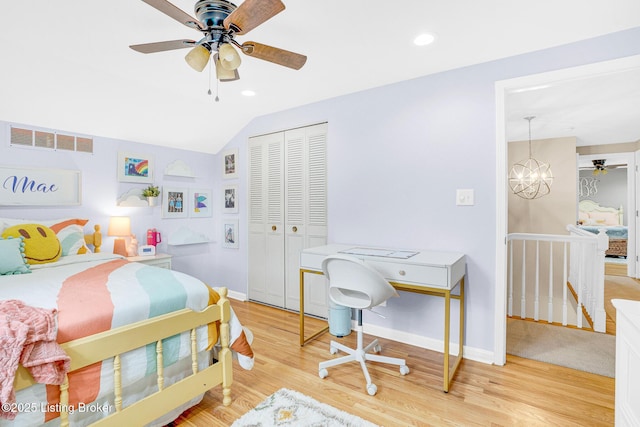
{"x": 604, "y": 218}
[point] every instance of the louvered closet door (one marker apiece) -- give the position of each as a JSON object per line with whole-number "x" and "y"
{"x": 305, "y": 212}
{"x": 265, "y": 219}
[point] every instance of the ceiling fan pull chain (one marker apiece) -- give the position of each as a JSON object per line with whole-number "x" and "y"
{"x": 217, "y": 85}
{"x": 209, "y": 91}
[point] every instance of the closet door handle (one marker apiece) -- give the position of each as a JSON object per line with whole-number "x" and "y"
{"x": 294, "y": 229}
{"x": 274, "y": 228}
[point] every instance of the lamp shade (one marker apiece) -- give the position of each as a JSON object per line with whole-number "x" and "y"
{"x": 119, "y": 226}
{"x": 198, "y": 57}
{"x": 222, "y": 73}
{"x": 229, "y": 57}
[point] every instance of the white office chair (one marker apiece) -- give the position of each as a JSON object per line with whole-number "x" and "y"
{"x": 354, "y": 284}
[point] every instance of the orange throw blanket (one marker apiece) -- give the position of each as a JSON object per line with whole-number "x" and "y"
{"x": 28, "y": 336}
{"x": 238, "y": 339}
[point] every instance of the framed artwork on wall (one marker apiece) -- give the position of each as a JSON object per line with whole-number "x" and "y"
{"x": 230, "y": 203}
{"x": 135, "y": 167}
{"x": 230, "y": 163}
{"x": 174, "y": 202}
{"x": 230, "y": 233}
{"x": 200, "y": 203}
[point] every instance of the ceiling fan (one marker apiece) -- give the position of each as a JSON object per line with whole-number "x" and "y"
{"x": 599, "y": 167}
{"x": 220, "y": 21}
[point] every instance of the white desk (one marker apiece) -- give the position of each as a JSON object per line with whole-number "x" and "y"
{"x": 426, "y": 272}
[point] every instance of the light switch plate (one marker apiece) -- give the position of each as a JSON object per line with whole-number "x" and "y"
{"x": 464, "y": 197}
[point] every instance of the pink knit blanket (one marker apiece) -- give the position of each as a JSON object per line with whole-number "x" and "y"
{"x": 28, "y": 336}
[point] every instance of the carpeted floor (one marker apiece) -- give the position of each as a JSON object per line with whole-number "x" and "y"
{"x": 573, "y": 348}
{"x": 591, "y": 351}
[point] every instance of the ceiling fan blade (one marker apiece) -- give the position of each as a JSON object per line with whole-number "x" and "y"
{"x": 222, "y": 73}
{"x": 252, "y": 13}
{"x": 176, "y": 13}
{"x": 162, "y": 46}
{"x": 274, "y": 54}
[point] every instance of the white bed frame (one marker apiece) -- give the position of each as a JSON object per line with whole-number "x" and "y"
{"x": 617, "y": 247}
{"x": 591, "y": 206}
{"x": 111, "y": 344}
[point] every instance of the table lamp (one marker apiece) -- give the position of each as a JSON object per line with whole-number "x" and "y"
{"x": 119, "y": 226}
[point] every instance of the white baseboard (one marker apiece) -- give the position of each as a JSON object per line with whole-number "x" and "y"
{"x": 477, "y": 354}
{"x": 240, "y": 296}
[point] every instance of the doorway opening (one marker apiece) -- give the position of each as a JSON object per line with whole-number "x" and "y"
{"x": 503, "y": 88}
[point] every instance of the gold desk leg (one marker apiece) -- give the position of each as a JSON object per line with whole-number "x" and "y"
{"x": 303, "y": 341}
{"x": 449, "y": 375}
{"x": 301, "y": 307}
{"x": 447, "y": 310}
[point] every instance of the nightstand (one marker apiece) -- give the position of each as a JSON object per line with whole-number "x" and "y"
{"x": 158, "y": 260}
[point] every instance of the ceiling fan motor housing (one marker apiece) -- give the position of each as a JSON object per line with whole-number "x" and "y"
{"x": 213, "y": 13}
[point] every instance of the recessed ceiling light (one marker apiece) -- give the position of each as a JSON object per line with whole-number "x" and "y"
{"x": 248, "y": 93}
{"x": 424, "y": 39}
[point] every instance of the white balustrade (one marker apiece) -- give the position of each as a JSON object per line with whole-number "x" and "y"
{"x": 576, "y": 263}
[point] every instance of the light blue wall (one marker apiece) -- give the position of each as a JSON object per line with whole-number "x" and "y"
{"x": 101, "y": 189}
{"x": 396, "y": 156}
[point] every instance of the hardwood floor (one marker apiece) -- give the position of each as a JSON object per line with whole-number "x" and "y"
{"x": 618, "y": 286}
{"x": 521, "y": 393}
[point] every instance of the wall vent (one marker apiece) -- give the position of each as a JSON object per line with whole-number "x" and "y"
{"x": 50, "y": 140}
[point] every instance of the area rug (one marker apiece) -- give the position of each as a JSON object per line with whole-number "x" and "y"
{"x": 291, "y": 408}
{"x": 569, "y": 347}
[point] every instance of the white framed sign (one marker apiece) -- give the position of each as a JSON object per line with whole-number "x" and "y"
{"x": 39, "y": 186}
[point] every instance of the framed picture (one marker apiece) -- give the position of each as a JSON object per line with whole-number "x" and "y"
{"x": 133, "y": 167}
{"x": 174, "y": 202}
{"x": 200, "y": 203}
{"x": 22, "y": 186}
{"x": 230, "y": 203}
{"x": 230, "y": 233}
{"x": 230, "y": 163}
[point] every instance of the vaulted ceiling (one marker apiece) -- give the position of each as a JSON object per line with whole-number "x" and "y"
{"x": 67, "y": 64}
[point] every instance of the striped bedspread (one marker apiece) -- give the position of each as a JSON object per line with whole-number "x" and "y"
{"x": 97, "y": 292}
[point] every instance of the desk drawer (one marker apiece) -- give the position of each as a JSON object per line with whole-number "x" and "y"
{"x": 311, "y": 261}
{"x": 425, "y": 275}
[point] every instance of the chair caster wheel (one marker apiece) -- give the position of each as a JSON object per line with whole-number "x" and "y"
{"x": 333, "y": 350}
{"x": 372, "y": 389}
{"x": 377, "y": 348}
{"x": 404, "y": 370}
{"x": 323, "y": 373}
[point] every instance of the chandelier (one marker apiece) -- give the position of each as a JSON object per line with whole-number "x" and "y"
{"x": 530, "y": 178}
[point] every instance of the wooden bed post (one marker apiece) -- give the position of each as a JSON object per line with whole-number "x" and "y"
{"x": 94, "y": 239}
{"x": 225, "y": 353}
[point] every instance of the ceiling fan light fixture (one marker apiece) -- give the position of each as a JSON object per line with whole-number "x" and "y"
{"x": 599, "y": 167}
{"x": 222, "y": 73}
{"x": 229, "y": 57}
{"x": 198, "y": 57}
